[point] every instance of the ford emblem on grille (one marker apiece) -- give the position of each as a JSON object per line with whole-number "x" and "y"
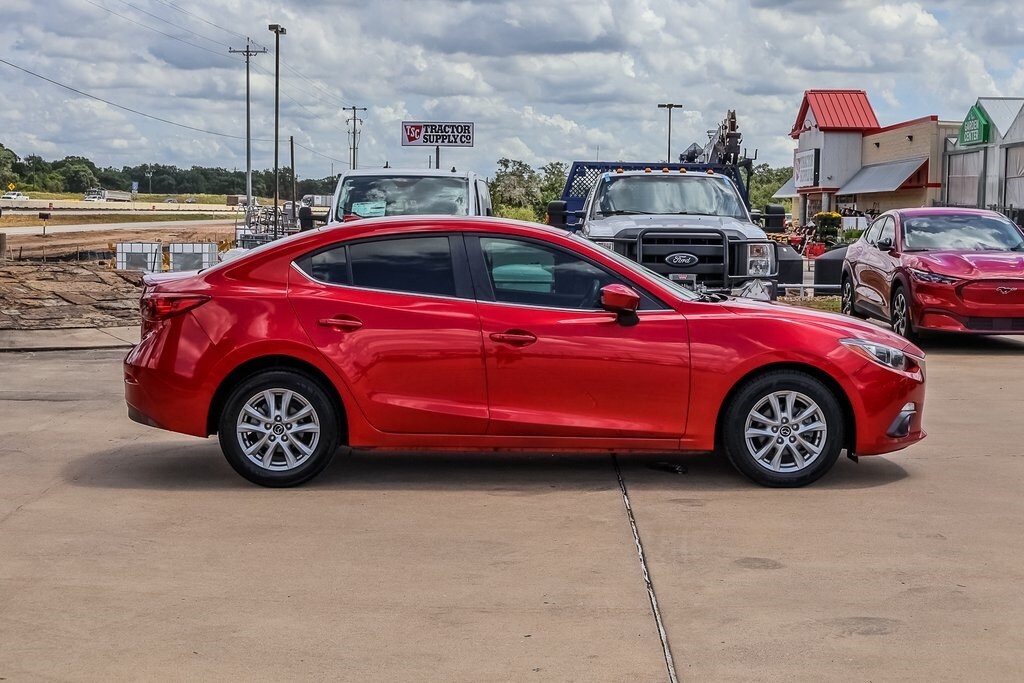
{"x": 681, "y": 259}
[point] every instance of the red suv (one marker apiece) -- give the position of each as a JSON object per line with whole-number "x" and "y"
{"x": 442, "y": 333}
{"x": 953, "y": 270}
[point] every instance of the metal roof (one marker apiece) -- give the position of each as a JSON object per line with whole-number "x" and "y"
{"x": 882, "y": 177}
{"x": 836, "y": 110}
{"x": 787, "y": 190}
{"x": 1002, "y": 111}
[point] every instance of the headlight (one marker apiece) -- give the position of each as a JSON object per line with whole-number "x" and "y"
{"x": 887, "y": 356}
{"x": 610, "y": 246}
{"x": 928, "y": 276}
{"x": 760, "y": 259}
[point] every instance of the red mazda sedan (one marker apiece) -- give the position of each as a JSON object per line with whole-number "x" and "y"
{"x": 440, "y": 333}
{"x": 951, "y": 270}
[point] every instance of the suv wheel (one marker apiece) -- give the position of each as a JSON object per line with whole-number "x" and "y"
{"x": 279, "y": 428}
{"x": 783, "y": 429}
{"x": 848, "y": 301}
{"x": 899, "y": 315}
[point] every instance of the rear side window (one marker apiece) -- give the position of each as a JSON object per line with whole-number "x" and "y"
{"x": 421, "y": 265}
{"x": 418, "y": 265}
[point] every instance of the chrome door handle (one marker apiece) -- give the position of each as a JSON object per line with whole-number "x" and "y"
{"x": 514, "y": 337}
{"x": 341, "y": 322}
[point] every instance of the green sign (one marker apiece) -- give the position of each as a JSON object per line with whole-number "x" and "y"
{"x": 975, "y": 128}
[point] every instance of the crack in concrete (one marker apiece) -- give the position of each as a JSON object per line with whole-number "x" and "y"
{"x": 648, "y": 583}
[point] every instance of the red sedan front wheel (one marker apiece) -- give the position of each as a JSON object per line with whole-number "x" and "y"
{"x": 783, "y": 429}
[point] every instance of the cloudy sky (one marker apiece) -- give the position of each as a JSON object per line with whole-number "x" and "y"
{"x": 542, "y": 80}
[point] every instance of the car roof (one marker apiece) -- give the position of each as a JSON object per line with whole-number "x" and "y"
{"x": 441, "y": 223}
{"x": 945, "y": 211}
{"x": 407, "y": 172}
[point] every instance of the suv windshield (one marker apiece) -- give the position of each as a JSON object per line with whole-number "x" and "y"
{"x": 961, "y": 232}
{"x": 369, "y": 196}
{"x": 665, "y": 193}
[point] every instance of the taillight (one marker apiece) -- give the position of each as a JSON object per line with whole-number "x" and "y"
{"x": 154, "y": 307}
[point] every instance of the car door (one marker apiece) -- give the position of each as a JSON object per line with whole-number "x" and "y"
{"x": 396, "y": 317}
{"x": 560, "y": 366}
{"x": 869, "y": 268}
{"x": 888, "y": 262}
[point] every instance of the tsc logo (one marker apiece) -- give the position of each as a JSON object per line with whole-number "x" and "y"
{"x": 413, "y": 132}
{"x": 681, "y": 259}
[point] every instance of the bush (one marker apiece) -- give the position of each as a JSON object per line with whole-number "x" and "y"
{"x": 518, "y": 213}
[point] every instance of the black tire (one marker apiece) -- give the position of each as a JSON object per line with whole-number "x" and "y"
{"x": 900, "y": 318}
{"x": 849, "y": 299}
{"x": 744, "y": 452}
{"x": 313, "y": 432}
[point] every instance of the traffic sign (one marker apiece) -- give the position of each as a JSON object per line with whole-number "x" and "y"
{"x": 10, "y": 186}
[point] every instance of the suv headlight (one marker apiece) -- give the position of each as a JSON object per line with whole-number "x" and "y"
{"x": 760, "y": 259}
{"x": 935, "y": 278}
{"x": 886, "y": 356}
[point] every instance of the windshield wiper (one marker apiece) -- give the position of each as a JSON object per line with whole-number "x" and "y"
{"x": 624, "y": 212}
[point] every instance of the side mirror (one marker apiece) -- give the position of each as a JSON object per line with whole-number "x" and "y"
{"x": 884, "y": 244}
{"x": 622, "y": 301}
{"x": 756, "y": 216}
{"x": 557, "y": 213}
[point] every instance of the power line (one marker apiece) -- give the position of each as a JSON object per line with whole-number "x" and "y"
{"x": 171, "y": 23}
{"x": 202, "y": 19}
{"x": 355, "y": 121}
{"x": 321, "y": 154}
{"x": 128, "y": 109}
{"x": 163, "y": 33}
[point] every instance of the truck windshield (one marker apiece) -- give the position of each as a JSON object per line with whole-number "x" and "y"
{"x": 665, "y": 193}
{"x": 369, "y": 196}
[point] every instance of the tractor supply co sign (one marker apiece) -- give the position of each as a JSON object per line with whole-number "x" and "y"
{"x": 437, "y": 134}
{"x": 805, "y": 168}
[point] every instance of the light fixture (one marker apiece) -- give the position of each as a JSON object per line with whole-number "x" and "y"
{"x": 877, "y": 144}
{"x": 910, "y": 138}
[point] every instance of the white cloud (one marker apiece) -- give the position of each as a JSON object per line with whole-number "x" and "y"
{"x": 543, "y": 81}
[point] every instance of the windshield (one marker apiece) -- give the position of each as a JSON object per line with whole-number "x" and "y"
{"x": 665, "y": 193}
{"x": 368, "y": 196}
{"x": 961, "y": 232}
{"x": 635, "y": 267}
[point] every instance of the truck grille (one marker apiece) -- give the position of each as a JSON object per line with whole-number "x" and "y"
{"x": 710, "y": 265}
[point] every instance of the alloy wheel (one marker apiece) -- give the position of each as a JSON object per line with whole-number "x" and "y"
{"x": 847, "y": 303}
{"x": 900, "y": 314}
{"x": 786, "y": 431}
{"x": 278, "y": 429}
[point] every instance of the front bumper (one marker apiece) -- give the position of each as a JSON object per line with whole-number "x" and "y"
{"x": 945, "y": 308}
{"x": 891, "y": 414}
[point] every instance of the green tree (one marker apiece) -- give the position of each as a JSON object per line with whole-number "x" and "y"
{"x": 8, "y": 159}
{"x": 765, "y": 182}
{"x": 515, "y": 184}
{"x": 552, "y": 182}
{"x": 77, "y": 177}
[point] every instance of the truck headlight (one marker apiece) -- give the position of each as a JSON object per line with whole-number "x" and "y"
{"x": 760, "y": 259}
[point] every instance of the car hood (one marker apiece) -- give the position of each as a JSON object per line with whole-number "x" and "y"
{"x": 842, "y": 326}
{"x": 613, "y": 225}
{"x": 969, "y": 264}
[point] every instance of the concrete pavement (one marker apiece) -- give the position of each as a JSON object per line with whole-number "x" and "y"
{"x": 69, "y": 339}
{"x": 126, "y": 552}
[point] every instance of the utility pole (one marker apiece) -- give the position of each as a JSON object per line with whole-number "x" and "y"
{"x": 670, "y": 107}
{"x": 355, "y": 121}
{"x": 248, "y": 52}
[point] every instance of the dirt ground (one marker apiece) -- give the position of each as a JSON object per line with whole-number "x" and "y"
{"x": 62, "y": 245}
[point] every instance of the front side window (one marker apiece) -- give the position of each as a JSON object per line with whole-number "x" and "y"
{"x": 533, "y": 274}
{"x": 961, "y": 232}
{"x": 418, "y": 265}
{"x": 888, "y": 231}
{"x": 370, "y": 196}
{"x": 871, "y": 236}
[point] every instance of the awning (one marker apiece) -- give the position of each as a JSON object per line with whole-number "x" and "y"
{"x": 786, "y": 191}
{"x": 882, "y": 177}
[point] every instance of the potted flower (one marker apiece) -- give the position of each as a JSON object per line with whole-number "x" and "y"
{"x": 828, "y": 225}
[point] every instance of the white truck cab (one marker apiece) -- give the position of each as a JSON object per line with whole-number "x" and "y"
{"x": 371, "y": 192}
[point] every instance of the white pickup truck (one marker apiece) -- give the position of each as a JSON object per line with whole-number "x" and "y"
{"x": 366, "y": 193}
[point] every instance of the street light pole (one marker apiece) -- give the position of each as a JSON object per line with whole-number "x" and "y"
{"x": 278, "y": 32}
{"x": 670, "y": 107}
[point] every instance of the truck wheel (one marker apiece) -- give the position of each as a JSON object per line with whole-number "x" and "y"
{"x": 783, "y": 429}
{"x": 279, "y": 428}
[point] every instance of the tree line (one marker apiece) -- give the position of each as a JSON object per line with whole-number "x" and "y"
{"x": 518, "y": 190}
